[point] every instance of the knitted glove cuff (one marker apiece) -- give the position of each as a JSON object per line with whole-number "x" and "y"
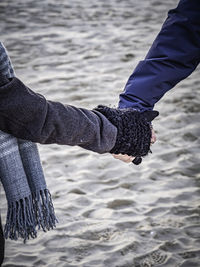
{"x": 134, "y": 130}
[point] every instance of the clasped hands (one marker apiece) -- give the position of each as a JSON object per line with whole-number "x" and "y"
{"x": 128, "y": 159}
{"x": 135, "y": 134}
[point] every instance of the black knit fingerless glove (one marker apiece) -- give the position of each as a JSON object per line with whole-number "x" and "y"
{"x": 134, "y": 130}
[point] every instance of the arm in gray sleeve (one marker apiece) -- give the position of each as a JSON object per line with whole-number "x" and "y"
{"x": 28, "y": 115}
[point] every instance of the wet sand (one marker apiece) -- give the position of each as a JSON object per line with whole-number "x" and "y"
{"x": 110, "y": 214}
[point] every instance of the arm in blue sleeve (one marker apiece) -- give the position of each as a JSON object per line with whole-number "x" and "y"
{"x": 174, "y": 55}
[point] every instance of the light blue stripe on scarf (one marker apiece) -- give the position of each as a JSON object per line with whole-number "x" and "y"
{"x": 29, "y": 201}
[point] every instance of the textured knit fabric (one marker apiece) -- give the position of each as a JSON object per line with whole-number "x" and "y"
{"x": 2, "y": 241}
{"x": 174, "y": 55}
{"x": 134, "y": 130}
{"x": 29, "y": 202}
{"x": 5, "y": 63}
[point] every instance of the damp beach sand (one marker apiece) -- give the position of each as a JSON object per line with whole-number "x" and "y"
{"x": 110, "y": 214}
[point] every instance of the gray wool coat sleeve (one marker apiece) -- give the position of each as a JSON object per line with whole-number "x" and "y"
{"x": 28, "y": 115}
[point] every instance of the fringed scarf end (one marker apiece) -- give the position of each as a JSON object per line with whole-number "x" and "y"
{"x": 27, "y": 215}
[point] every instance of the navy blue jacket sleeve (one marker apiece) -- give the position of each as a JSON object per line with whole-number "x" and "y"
{"x": 174, "y": 55}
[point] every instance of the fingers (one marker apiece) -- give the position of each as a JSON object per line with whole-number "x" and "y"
{"x": 124, "y": 158}
{"x": 127, "y": 159}
{"x": 153, "y": 136}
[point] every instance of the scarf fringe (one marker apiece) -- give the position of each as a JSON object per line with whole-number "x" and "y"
{"x": 27, "y": 215}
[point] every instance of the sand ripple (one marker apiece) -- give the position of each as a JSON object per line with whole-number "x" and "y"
{"x": 111, "y": 214}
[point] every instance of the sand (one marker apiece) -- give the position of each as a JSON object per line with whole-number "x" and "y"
{"x": 111, "y": 214}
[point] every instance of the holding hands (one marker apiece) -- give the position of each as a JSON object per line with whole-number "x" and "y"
{"x": 134, "y": 132}
{"x": 128, "y": 159}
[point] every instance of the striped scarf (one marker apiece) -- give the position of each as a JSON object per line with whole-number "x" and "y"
{"x": 29, "y": 202}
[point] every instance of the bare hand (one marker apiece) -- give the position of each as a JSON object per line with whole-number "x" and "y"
{"x": 124, "y": 158}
